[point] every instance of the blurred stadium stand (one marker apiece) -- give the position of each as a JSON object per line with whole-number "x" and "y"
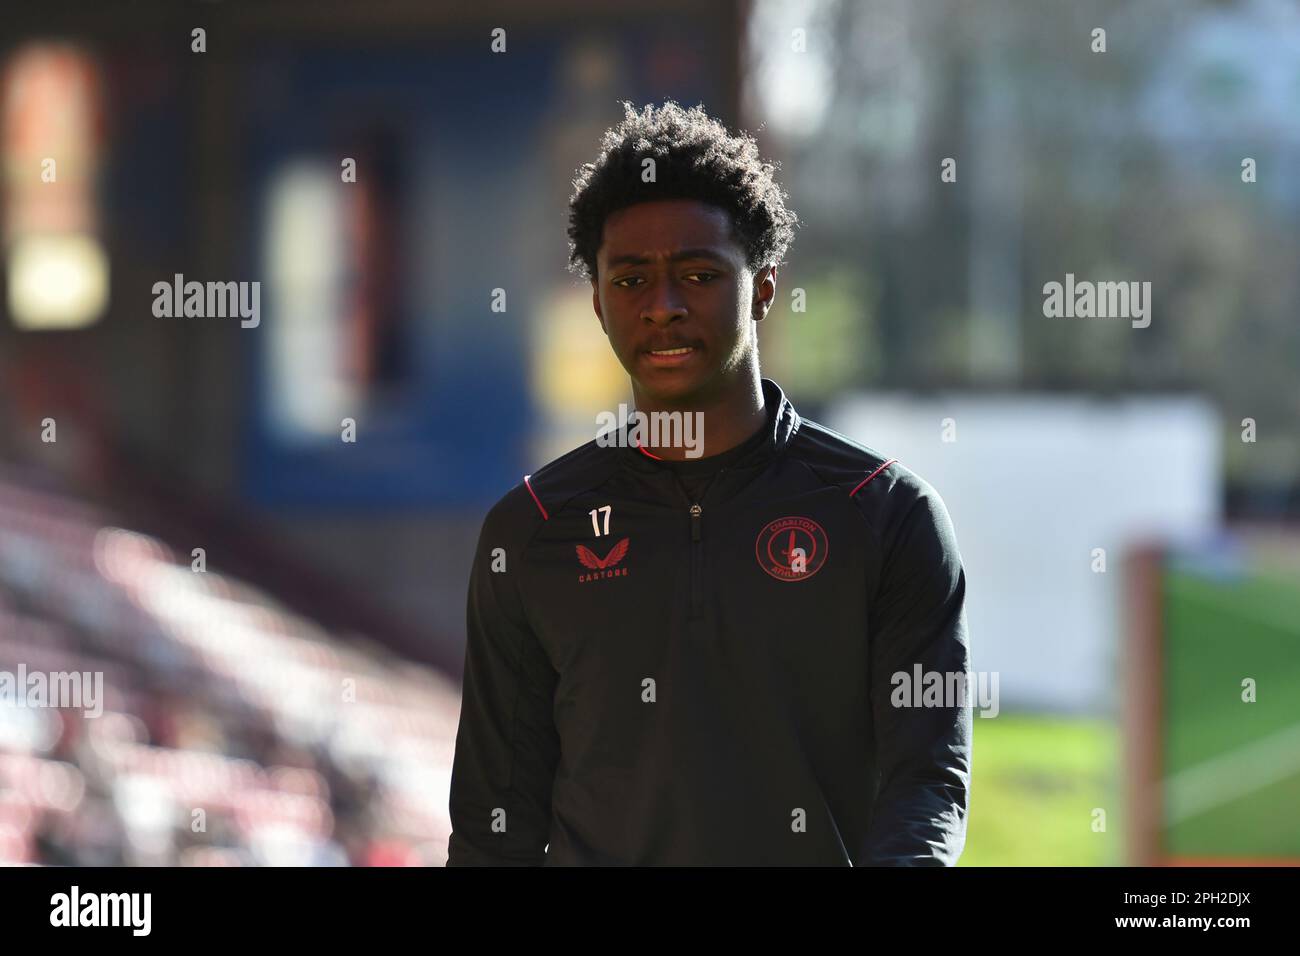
{"x": 298, "y": 747}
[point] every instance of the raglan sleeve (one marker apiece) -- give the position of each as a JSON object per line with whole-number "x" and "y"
{"x": 923, "y": 754}
{"x": 507, "y": 747}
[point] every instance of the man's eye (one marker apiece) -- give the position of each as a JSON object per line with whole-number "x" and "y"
{"x": 706, "y": 276}
{"x": 619, "y": 282}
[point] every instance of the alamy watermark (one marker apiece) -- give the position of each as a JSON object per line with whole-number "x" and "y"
{"x": 181, "y": 299}
{"x": 1102, "y": 300}
{"x": 75, "y": 908}
{"x": 652, "y": 429}
{"x": 74, "y": 690}
{"x": 946, "y": 689}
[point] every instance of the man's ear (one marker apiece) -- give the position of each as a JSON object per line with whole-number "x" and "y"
{"x": 764, "y": 292}
{"x": 595, "y": 304}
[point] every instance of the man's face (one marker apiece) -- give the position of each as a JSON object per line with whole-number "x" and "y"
{"x": 670, "y": 276}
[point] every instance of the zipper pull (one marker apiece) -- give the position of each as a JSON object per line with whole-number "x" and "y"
{"x": 696, "y": 511}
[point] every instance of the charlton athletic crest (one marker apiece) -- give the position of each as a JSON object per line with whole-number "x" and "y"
{"x": 791, "y": 549}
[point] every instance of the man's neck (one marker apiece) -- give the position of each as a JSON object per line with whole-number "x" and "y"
{"x": 728, "y": 419}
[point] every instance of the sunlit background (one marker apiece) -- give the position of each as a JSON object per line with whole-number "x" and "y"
{"x": 1125, "y": 498}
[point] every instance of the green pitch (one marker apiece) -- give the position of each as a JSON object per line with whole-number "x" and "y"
{"x": 1232, "y": 768}
{"x": 1036, "y": 782}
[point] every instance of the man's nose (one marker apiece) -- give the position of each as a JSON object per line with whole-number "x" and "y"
{"x": 665, "y": 304}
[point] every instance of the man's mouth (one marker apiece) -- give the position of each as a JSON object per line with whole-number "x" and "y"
{"x": 671, "y": 358}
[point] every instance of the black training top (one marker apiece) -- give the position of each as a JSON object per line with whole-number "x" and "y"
{"x": 696, "y": 473}
{"x": 652, "y": 679}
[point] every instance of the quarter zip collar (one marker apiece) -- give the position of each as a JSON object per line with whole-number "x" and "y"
{"x": 782, "y": 424}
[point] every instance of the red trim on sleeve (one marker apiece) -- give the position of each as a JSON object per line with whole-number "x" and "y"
{"x": 647, "y": 454}
{"x": 872, "y": 475}
{"x": 534, "y": 494}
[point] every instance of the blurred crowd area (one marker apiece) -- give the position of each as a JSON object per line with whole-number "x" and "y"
{"x": 232, "y": 732}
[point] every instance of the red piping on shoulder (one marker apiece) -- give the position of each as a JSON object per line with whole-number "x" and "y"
{"x": 647, "y": 454}
{"x": 872, "y": 475}
{"x": 534, "y": 494}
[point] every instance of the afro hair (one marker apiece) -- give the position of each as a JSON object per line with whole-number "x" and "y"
{"x": 695, "y": 158}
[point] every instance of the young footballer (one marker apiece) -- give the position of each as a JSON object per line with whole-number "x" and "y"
{"x": 693, "y": 653}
